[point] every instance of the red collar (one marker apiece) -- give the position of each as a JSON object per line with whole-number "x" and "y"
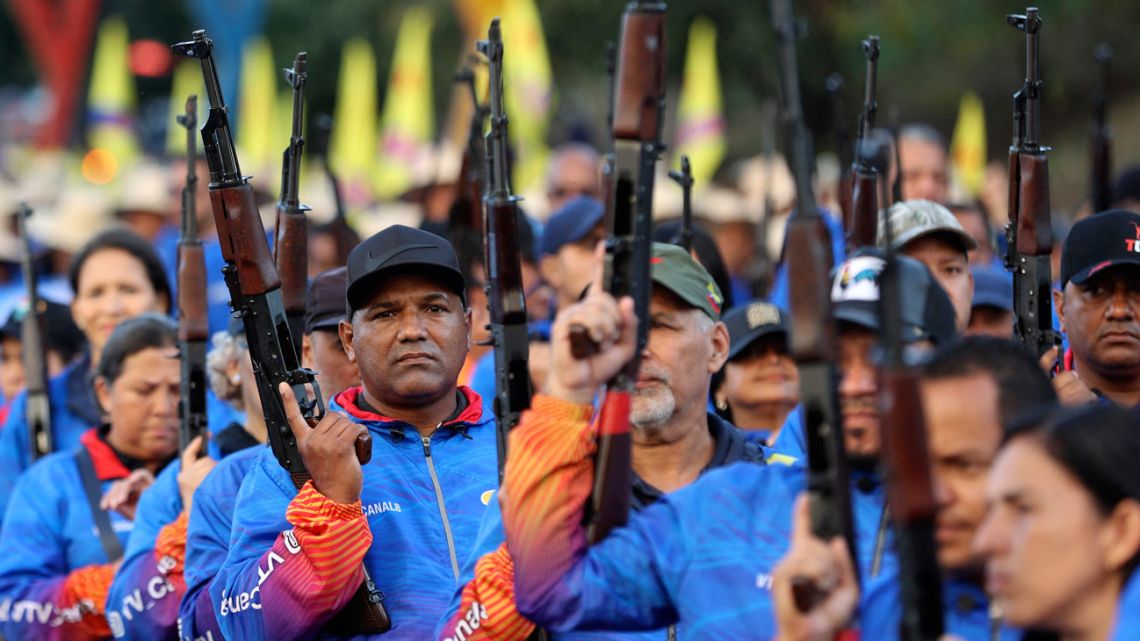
{"x": 108, "y": 467}
{"x": 470, "y": 414}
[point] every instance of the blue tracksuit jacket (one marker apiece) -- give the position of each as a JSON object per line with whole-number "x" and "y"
{"x": 422, "y": 502}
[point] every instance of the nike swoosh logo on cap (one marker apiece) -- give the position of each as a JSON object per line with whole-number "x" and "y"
{"x": 377, "y": 261}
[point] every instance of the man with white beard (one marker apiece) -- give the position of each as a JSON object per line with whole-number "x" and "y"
{"x": 675, "y": 440}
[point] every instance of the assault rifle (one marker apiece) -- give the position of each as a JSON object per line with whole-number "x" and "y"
{"x": 834, "y": 86}
{"x": 255, "y": 296}
{"x": 1100, "y": 185}
{"x": 38, "y": 405}
{"x": 684, "y": 178}
{"x": 465, "y": 217}
{"x": 809, "y": 260}
{"x": 506, "y": 297}
{"x": 343, "y": 234}
{"x": 1029, "y": 235}
{"x": 760, "y": 271}
{"x": 910, "y": 489}
{"x": 639, "y": 103}
{"x": 291, "y": 250}
{"x": 862, "y": 226}
{"x": 193, "y": 320}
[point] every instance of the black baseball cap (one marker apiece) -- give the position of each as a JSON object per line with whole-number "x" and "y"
{"x": 399, "y": 248}
{"x": 324, "y": 308}
{"x": 926, "y": 309}
{"x": 1098, "y": 242}
{"x": 747, "y": 323}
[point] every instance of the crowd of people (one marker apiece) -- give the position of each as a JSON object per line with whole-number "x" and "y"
{"x": 1034, "y": 460}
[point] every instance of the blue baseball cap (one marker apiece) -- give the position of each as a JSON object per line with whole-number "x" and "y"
{"x": 993, "y": 287}
{"x": 570, "y": 224}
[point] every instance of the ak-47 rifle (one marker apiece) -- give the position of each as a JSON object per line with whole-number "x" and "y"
{"x": 910, "y": 490}
{"x": 506, "y": 297}
{"x": 1100, "y": 183}
{"x": 291, "y": 250}
{"x": 466, "y": 215}
{"x": 760, "y": 271}
{"x": 834, "y": 86}
{"x": 255, "y": 297}
{"x": 38, "y": 407}
{"x": 193, "y": 319}
{"x": 809, "y": 260}
{"x": 343, "y": 234}
{"x": 862, "y": 226}
{"x": 684, "y": 178}
{"x": 1029, "y": 234}
{"x": 639, "y": 103}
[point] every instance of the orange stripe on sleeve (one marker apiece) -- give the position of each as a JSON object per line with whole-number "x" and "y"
{"x": 84, "y": 596}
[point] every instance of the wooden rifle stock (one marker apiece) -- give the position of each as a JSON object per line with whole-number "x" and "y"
{"x": 193, "y": 315}
{"x": 255, "y": 296}
{"x": 37, "y": 410}
{"x": 465, "y": 217}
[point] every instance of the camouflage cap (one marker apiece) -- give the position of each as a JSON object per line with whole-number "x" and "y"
{"x": 674, "y": 269}
{"x": 913, "y": 218}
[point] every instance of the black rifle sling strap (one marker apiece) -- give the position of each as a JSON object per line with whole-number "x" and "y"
{"x": 111, "y": 544}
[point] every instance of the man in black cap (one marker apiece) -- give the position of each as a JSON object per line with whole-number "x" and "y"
{"x": 760, "y": 381}
{"x": 411, "y": 513}
{"x": 321, "y": 348}
{"x": 991, "y": 312}
{"x": 1099, "y": 308}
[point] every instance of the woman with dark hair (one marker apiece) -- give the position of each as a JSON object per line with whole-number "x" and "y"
{"x": 61, "y": 546}
{"x": 115, "y": 276}
{"x": 1062, "y": 536}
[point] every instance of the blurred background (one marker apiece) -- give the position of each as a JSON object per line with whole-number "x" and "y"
{"x": 95, "y": 79}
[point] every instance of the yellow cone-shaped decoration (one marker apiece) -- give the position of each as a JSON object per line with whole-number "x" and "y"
{"x": 700, "y": 118}
{"x": 968, "y": 146}
{"x": 258, "y": 97}
{"x": 353, "y": 147}
{"x": 408, "y": 121}
{"x": 187, "y": 80}
{"x": 111, "y": 98}
{"x": 528, "y": 89}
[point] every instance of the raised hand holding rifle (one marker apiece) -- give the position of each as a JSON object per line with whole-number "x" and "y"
{"x": 1029, "y": 234}
{"x": 862, "y": 225}
{"x": 291, "y": 250}
{"x": 808, "y": 254}
{"x": 639, "y": 103}
{"x": 506, "y": 297}
{"x": 38, "y": 406}
{"x": 193, "y": 320}
{"x": 255, "y": 296}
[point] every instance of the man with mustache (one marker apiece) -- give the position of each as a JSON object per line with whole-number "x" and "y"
{"x": 702, "y": 556}
{"x": 675, "y": 439}
{"x": 1099, "y": 309}
{"x": 411, "y": 513}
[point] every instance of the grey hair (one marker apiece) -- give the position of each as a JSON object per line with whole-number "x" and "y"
{"x": 224, "y": 349}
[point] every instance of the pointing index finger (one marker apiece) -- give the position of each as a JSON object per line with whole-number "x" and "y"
{"x": 297, "y": 422}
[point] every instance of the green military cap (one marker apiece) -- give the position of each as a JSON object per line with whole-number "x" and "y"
{"x": 674, "y": 269}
